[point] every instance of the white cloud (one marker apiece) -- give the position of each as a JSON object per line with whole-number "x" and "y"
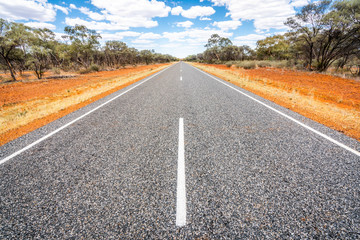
{"x": 205, "y": 19}
{"x": 194, "y": 36}
{"x": 177, "y": 10}
{"x": 63, "y": 9}
{"x": 198, "y": 11}
{"x": 249, "y": 40}
{"x": 40, "y": 25}
{"x": 110, "y": 26}
{"x": 150, "y": 35}
{"x": 141, "y": 41}
{"x": 72, "y": 6}
{"x": 299, "y": 3}
{"x": 119, "y": 35}
{"x": 93, "y": 15}
{"x": 38, "y": 10}
{"x": 226, "y": 25}
{"x": 58, "y": 36}
{"x": 185, "y": 24}
{"x": 266, "y": 14}
{"x": 128, "y": 13}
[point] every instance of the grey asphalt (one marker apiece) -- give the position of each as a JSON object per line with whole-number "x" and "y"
{"x": 250, "y": 172}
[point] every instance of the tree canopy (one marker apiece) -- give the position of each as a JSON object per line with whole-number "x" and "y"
{"x": 24, "y": 48}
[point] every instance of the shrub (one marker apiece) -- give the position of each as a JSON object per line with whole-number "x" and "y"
{"x": 246, "y": 64}
{"x": 228, "y": 64}
{"x": 56, "y": 70}
{"x": 264, "y": 64}
{"x": 279, "y": 64}
{"x": 94, "y": 68}
{"x": 85, "y": 70}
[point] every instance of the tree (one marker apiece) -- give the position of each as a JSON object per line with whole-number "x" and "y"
{"x": 275, "y": 47}
{"x": 83, "y": 43}
{"x": 116, "y": 53}
{"x": 41, "y": 49}
{"x": 13, "y": 40}
{"x": 215, "y": 45}
{"x": 146, "y": 56}
{"x": 340, "y": 37}
{"x": 308, "y": 24}
{"x": 326, "y": 33}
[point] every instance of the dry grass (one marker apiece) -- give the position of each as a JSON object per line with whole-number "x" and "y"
{"x": 24, "y": 112}
{"x": 334, "y": 104}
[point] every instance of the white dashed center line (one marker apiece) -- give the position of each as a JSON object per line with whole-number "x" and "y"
{"x": 180, "y": 78}
{"x": 181, "y": 191}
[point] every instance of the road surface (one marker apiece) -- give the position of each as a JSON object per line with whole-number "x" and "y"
{"x": 181, "y": 154}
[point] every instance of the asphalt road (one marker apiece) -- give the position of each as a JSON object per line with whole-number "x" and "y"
{"x": 249, "y": 171}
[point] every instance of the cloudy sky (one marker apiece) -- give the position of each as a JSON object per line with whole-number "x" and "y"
{"x": 179, "y": 28}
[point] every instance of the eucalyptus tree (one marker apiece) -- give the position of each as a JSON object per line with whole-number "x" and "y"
{"x": 84, "y": 42}
{"x": 214, "y": 47}
{"x": 308, "y": 25}
{"x": 340, "y": 38}
{"x": 14, "y": 39}
{"x": 273, "y": 48}
{"x": 41, "y": 48}
{"x": 116, "y": 53}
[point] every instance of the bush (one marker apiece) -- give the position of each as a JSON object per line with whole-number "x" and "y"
{"x": 94, "y": 68}
{"x": 246, "y": 64}
{"x": 229, "y": 64}
{"x": 263, "y": 64}
{"x": 279, "y": 64}
{"x": 56, "y": 70}
{"x": 85, "y": 71}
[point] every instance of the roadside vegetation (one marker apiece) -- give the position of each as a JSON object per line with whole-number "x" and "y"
{"x": 24, "y": 49}
{"x": 43, "y": 79}
{"x": 323, "y": 37}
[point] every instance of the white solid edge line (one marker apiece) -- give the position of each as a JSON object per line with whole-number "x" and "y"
{"x": 181, "y": 191}
{"x": 76, "y": 119}
{"x": 287, "y": 116}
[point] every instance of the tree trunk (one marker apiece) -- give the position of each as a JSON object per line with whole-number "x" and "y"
{"x": 311, "y": 55}
{"x": 10, "y": 69}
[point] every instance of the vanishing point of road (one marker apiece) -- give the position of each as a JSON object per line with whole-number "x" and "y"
{"x": 184, "y": 155}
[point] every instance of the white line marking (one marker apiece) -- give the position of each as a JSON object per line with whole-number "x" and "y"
{"x": 287, "y": 116}
{"x": 181, "y": 191}
{"x": 180, "y": 78}
{"x": 75, "y": 120}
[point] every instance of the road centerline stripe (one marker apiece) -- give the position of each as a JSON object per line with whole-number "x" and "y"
{"x": 181, "y": 190}
{"x": 286, "y": 116}
{"x": 76, "y": 119}
{"x": 180, "y": 78}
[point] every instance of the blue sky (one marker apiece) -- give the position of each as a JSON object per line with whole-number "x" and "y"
{"x": 179, "y": 28}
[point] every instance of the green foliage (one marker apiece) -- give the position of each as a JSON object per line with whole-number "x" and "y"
{"x": 56, "y": 70}
{"x": 85, "y": 71}
{"x": 229, "y": 64}
{"x": 23, "y": 48}
{"x": 322, "y": 34}
{"x": 273, "y": 48}
{"x": 263, "y": 64}
{"x": 94, "y": 67}
{"x": 325, "y": 33}
{"x": 14, "y": 38}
